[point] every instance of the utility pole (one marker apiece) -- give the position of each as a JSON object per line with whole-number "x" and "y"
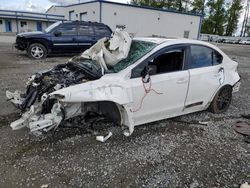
{"x": 243, "y": 28}
{"x": 247, "y": 18}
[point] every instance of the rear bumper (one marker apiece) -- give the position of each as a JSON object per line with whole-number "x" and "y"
{"x": 236, "y": 86}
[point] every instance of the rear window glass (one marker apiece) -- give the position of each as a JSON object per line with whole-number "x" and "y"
{"x": 137, "y": 50}
{"x": 85, "y": 30}
{"x": 217, "y": 58}
{"x": 102, "y": 30}
{"x": 201, "y": 56}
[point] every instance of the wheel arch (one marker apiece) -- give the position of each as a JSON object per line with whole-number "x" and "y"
{"x": 219, "y": 88}
{"x": 42, "y": 42}
{"x": 114, "y": 111}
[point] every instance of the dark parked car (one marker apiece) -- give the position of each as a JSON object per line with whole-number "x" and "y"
{"x": 62, "y": 37}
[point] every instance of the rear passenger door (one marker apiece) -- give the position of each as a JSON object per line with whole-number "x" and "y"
{"x": 206, "y": 74}
{"x": 64, "y": 38}
{"x": 86, "y": 37}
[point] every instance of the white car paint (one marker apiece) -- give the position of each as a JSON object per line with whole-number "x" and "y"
{"x": 119, "y": 88}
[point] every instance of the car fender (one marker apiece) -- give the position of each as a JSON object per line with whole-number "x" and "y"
{"x": 101, "y": 90}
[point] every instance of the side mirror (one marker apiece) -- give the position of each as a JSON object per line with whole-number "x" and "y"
{"x": 145, "y": 74}
{"x": 57, "y": 33}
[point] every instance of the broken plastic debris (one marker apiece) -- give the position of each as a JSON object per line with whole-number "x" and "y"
{"x": 44, "y": 185}
{"x": 15, "y": 97}
{"x": 245, "y": 185}
{"x": 203, "y": 122}
{"x": 102, "y": 138}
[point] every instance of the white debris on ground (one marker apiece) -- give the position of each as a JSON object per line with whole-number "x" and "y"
{"x": 245, "y": 185}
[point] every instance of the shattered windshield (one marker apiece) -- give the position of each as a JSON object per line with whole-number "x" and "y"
{"x": 137, "y": 50}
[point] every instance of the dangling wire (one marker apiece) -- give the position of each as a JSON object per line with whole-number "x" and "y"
{"x": 147, "y": 90}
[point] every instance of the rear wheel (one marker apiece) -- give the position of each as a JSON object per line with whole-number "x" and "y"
{"x": 37, "y": 51}
{"x": 222, "y": 100}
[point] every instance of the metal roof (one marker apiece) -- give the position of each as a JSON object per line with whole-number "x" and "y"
{"x": 30, "y": 15}
{"x": 129, "y": 5}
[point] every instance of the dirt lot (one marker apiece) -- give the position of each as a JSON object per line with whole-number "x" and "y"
{"x": 167, "y": 153}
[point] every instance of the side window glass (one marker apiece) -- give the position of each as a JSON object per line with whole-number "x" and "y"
{"x": 217, "y": 58}
{"x": 69, "y": 29}
{"x": 201, "y": 56}
{"x": 86, "y": 30}
{"x": 169, "y": 61}
{"x": 165, "y": 62}
{"x": 100, "y": 30}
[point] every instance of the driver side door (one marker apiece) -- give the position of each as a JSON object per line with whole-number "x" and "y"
{"x": 164, "y": 94}
{"x": 64, "y": 38}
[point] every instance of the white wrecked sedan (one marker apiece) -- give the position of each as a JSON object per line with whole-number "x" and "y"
{"x": 144, "y": 80}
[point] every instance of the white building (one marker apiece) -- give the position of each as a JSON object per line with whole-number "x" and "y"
{"x": 22, "y": 21}
{"x": 140, "y": 21}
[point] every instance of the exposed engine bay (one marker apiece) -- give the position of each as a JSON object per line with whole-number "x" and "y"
{"x": 43, "y": 110}
{"x": 78, "y": 70}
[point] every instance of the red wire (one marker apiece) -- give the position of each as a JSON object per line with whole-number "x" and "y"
{"x": 146, "y": 92}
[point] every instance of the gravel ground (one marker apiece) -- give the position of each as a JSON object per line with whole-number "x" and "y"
{"x": 168, "y": 153}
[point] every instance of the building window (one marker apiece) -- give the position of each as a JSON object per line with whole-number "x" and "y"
{"x": 72, "y": 15}
{"x": 1, "y": 22}
{"x": 83, "y": 16}
{"x": 186, "y": 34}
{"x": 23, "y": 23}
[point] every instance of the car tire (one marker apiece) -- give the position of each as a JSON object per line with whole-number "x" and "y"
{"x": 222, "y": 100}
{"x": 37, "y": 51}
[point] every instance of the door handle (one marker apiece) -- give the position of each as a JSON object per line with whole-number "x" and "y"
{"x": 182, "y": 81}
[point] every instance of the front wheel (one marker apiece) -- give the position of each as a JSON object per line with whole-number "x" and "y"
{"x": 222, "y": 100}
{"x": 37, "y": 51}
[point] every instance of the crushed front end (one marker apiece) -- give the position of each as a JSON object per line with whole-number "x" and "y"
{"x": 42, "y": 111}
{"x": 48, "y": 99}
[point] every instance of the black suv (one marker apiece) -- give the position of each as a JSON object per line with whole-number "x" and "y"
{"x": 62, "y": 37}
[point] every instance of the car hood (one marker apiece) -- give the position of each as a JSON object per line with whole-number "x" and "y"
{"x": 33, "y": 33}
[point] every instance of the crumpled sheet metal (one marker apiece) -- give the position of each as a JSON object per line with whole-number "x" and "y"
{"x": 108, "y": 53}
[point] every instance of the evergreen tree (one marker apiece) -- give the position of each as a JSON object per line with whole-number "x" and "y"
{"x": 233, "y": 14}
{"x": 214, "y": 22}
{"x": 198, "y": 6}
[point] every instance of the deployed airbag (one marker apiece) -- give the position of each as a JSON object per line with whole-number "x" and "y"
{"x": 109, "y": 52}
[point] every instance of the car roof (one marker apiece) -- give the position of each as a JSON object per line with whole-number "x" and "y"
{"x": 84, "y": 22}
{"x": 159, "y": 40}
{"x": 156, "y": 40}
